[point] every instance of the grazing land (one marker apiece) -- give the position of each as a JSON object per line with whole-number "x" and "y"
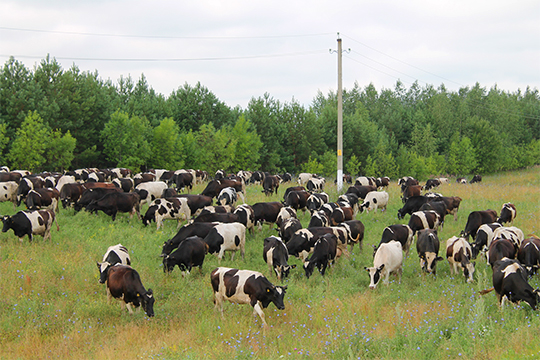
{"x": 52, "y": 305}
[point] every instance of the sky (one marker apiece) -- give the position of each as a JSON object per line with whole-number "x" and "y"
{"x": 241, "y": 50}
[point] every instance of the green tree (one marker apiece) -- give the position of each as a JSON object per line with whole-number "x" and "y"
{"x": 166, "y": 147}
{"x": 30, "y": 143}
{"x": 352, "y": 166}
{"x": 59, "y": 152}
{"x": 4, "y": 139}
{"x": 461, "y": 156}
{"x": 217, "y": 148}
{"x": 312, "y": 166}
{"x": 248, "y": 143}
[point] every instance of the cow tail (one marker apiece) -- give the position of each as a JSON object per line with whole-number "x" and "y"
{"x": 484, "y": 292}
{"x": 56, "y": 222}
{"x": 30, "y": 201}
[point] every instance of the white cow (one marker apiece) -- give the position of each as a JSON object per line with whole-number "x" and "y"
{"x": 8, "y": 192}
{"x": 149, "y": 191}
{"x": 375, "y": 200}
{"x": 388, "y": 259}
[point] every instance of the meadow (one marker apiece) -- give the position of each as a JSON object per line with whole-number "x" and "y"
{"x": 52, "y": 306}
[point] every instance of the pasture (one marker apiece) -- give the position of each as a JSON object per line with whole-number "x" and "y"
{"x": 52, "y": 305}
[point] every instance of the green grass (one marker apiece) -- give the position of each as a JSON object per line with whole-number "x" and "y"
{"x": 52, "y": 305}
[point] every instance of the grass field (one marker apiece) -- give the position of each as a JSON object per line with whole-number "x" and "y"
{"x": 52, "y": 305}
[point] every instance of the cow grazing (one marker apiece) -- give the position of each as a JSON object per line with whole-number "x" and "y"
{"x": 360, "y": 191}
{"x": 406, "y": 181}
{"x": 285, "y": 213}
{"x": 452, "y": 204}
{"x": 245, "y": 287}
{"x": 115, "y": 202}
{"x": 355, "y": 232}
{"x": 246, "y": 216}
{"x": 315, "y": 185}
{"x": 375, "y": 200}
{"x": 143, "y": 177}
{"x": 197, "y": 202}
{"x": 26, "y": 184}
{"x": 303, "y": 240}
{"x": 214, "y": 187}
{"x": 170, "y": 208}
{"x": 275, "y": 254}
{"x": 266, "y": 212}
{"x": 195, "y": 229}
{"x": 182, "y": 180}
{"x": 352, "y": 200}
{"x": 319, "y": 219}
{"x": 124, "y": 283}
{"x": 410, "y": 191}
{"x": 341, "y": 213}
{"x": 510, "y": 283}
{"x": 461, "y": 180}
{"x": 70, "y": 194}
{"x": 427, "y": 219}
{"x": 150, "y": 191}
{"x": 292, "y": 188}
{"x": 270, "y": 185}
{"x": 315, "y": 201}
{"x": 459, "y": 255}
{"x": 500, "y": 248}
{"x": 427, "y": 247}
{"x": 36, "y": 222}
{"x": 219, "y": 217}
{"x": 388, "y": 259}
{"x": 227, "y": 196}
{"x": 476, "y": 179}
{"x": 288, "y": 228}
{"x": 529, "y": 255}
{"x": 126, "y": 184}
{"x": 431, "y": 184}
{"x": 297, "y": 200}
{"x": 476, "y": 219}
{"x": 189, "y": 253}
{"x": 324, "y": 253}
{"x": 43, "y": 198}
{"x": 508, "y": 214}
{"x": 438, "y": 206}
{"x": 303, "y": 178}
{"x": 365, "y": 181}
{"x": 90, "y": 195}
{"x": 8, "y": 192}
{"x": 413, "y": 204}
{"x": 116, "y": 254}
{"x": 400, "y": 233}
{"x": 484, "y": 236}
{"x": 226, "y": 237}
{"x": 512, "y": 233}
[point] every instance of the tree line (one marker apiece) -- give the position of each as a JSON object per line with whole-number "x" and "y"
{"x": 56, "y": 119}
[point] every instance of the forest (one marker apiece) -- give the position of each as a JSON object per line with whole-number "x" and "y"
{"x": 55, "y": 119}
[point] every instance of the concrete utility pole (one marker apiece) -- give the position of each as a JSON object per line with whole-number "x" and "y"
{"x": 339, "y": 121}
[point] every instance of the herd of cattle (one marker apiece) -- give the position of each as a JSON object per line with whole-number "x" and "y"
{"x": 222, "y": 227}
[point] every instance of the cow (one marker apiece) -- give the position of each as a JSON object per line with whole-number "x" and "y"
{"x": 292, "y": 188}
{"x": 324, "y": 253}
{"x": 355, "y": 232}
{"x": 270, "y": 185}
{"x": 410, "y": 191}
{"x": 126, "y": 184}
{"x": 400, "y": 233}
{"x": 459, "y": 255}
{"x": 257, "y": 177}
{"x": 383, "y": 182}
{"x": 196, "y": 202}
{"x": 341, "y": 213}
{"x": 226, "y": 237}
{"x": 303, "y": 240}
{"x": 286, "y": 177}
{"x": 427, "y": 219}
{"x": 245, "y": 287}
{"x": 315, "y": 185}
{"x": 90, "y": 195}
{"x": 461, "y": 180}
{"x": 375, "y": 200}
{"x": 484, "y": 236}
{"x": 169, "y": 192}
{"x": 475, "y": 220}
{"x": 529, "y": 255}
{"x": 452, "y": 204}
{"x": 388, "y": 259}
{"x": 476, "y": 179}
{"x": 30, "y": 222}
{"x": 500, "y": 248}
{"x": 303, "y": 178}
{"x": 122, "y": 172}
{"x": 219, "y": 209}
{"x": 189, "y": 253}
{"x": 512, "y": 233}
{"x": 266, "y": 212}
{"x": 26, "y": 184}
{"x": 143, "y": 177}
{"x": 169, "y": 208}
{"x": 246, "y": 216}
{"x": 351, "y": 199}
{"x": 182, "y": 180}
{"x": 227, "y": 196}
{"x": 315, "y": 201}
{"x": 8, "y": 192}
{"x": 285, "y": 213}
{"x": 360, "y": 191}
{"x": 116, "y": 254}
{"x": 427, "y": 247}
{"x": 43, "y": 198}
{"x": 214, "y": 187}
{"x": 297, "y": 199}
{"x": 288, "y": 228}
{"x": 510, "y": 283}
{"x": 150, "y": 191}
{"x": 431, "y": 184}
{"x": 200, "y": 176}
{"x": 275, "y": 254}
{"x": 406, "y": 181}
{"x": 6, "y": 176}
{"x": 413, "y": 204}
{"x": 319, "y": 219}
{"x": 70, "y": 194}
{"x": 508, "y": 214}
{"x": 195, "y": 229}
{"x": 115, "y": 202}
{"x": 124, "y": 283}
{"x": 365, "y": 181}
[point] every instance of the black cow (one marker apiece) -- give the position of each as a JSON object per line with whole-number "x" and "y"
{"x": 245, "y": 287}
{"x": 270, "y": 185}
{"x": 195, "y": 229}
{"x": 361, "y": 191}
{"x": 183, "y": 180}
{"x": 324, "y": 253}
{"x": 297, "y": 199}
{"x": 246, "y": 216}
{"x": 266, "y": 212}
{"x": 196, "y": 202}
{"x": 275, "y": 254}
{"x": 500, "y": 248}
{"x": 288, "y": 228}
{"x": 427, "y": 247}
{"x": 508, "y": 214}
{"x": 36, "y": 222}
{"x": 529, "y": 255}
{"x": 476, "y": 219}
{"x": 292, "y": 188}
{"x": 126, "y": 184}
{"x": 93, "y": 194}
{"x": 190, "y": 253}
{"x": 43, "y": 197}
{"x": 400, "y": 233}
{"x": 116, "y": 202}
{"x": 217, "y": 217}
{"x": 214, "y": 187}
{"x": 412, "y": 204}
{"x": 116, "y": 254}
{"x": 124, "y": 283}
{"x": 476, "y": 179}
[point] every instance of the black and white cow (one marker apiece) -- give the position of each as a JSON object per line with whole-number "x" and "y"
{"x": 246, "y": 216}
{"x": 245, "y": 287}
{"x": 275, "y": 254}
{"x": 365, "y": 181}
{"x": 508, "y": 214}
{"x": 150, "y": 191}
{"x": 36, "y": 222}
{"x": 360, "y": 191}
{"x": 26, "y": 184}
{"x": 126, "y": 184}
{"x": 226, "y": 237}
{"x": 297, "y": 199}
{"x": 303, "y": 241}
{"x": 484, "y": 236}
{"x": 116, "y": 254}
{"x": 115, "y": 202}
{"x": 355, "y": 232}
{"x": 315, "y": 185}
{"x": 476, "y": 179}
{"x": 375, "y": 200}
{"x": 352, "y": 200}
{"x": 510, "y": 283}
{"x": 413, "y": 204}
{"x": 427, "y": 247}
{"x": 512, "y": 233}
{"x": 400, "y": 233}
{"x": 428, "y": 219}
{"x": 195, "y": 229}
{"x": 88, "y": 196}
{"x": 319, "y": 219}
{"x": 270, "y": 185}
{"x": 388, "y": 259}
{"x": 288, "y": 228}
{"x": 70, "y": 194}
{"x": 500, "y": 248}
{"x": 438, "y": 206}
{"x": 529, "y": 255}
{"x": 315, "y": 201}
{"x": 170, "y": 208}
{"x": 227, "y": 196}
{"x": 8, "y": 192}
{"x": 285, "y": 213}
{"x": 196, "y": 202}
{"x": 43, "y": 198}
{"x": 266, "y": 212}
{"x": 324, "y": 253}
{"x": 124, "y": 283}
{"x": 459, "y": 255}
{"x": 431, "y": 184}
{"x": 189, "y": 253}
{"x": 207, "y": 216}
{"x": 476, "y": 219}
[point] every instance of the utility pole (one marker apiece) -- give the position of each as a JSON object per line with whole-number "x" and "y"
{"x": 339, "y": 121}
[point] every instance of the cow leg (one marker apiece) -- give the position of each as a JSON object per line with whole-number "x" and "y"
{"x": 128, "y": 307}
{"x": 218, "y": 303}
{"x": 113, "y": 215}
{"x": 232, "y": 255}
{"x": 47, "y": 235}
{"x": 257, "y": 310}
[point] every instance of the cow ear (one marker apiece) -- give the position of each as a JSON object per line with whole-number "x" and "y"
{"x": 380, "y": 267}
{"x": 438, "y": 258}
{"x": 98, "y": 265}
{"x": 365, "y": 268}
{"x": 293, "y": 266}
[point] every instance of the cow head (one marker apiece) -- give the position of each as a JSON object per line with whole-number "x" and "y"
{"x": 284, "y": 270}
{"x": 276, "y": 294}
{"x": 400, "y": 213}
{"x": 168, "y": 263}
{"x": 7, "y": 223}
{"x": 468, "y": 269}
{"x": 103, "y": 270}
{"x": 148, "y": 302}
{"x": 428, "y": 262}
{"x": 308, "y": 268}
{"x": 374, "y": 275}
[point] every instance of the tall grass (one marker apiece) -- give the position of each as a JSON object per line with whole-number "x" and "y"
{"x": 52, "y": 305}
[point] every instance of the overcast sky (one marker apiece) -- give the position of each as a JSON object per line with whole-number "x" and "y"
{"x": 243, "y": 49}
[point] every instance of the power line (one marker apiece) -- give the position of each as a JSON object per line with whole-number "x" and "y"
{"x": 163, "y": 36}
